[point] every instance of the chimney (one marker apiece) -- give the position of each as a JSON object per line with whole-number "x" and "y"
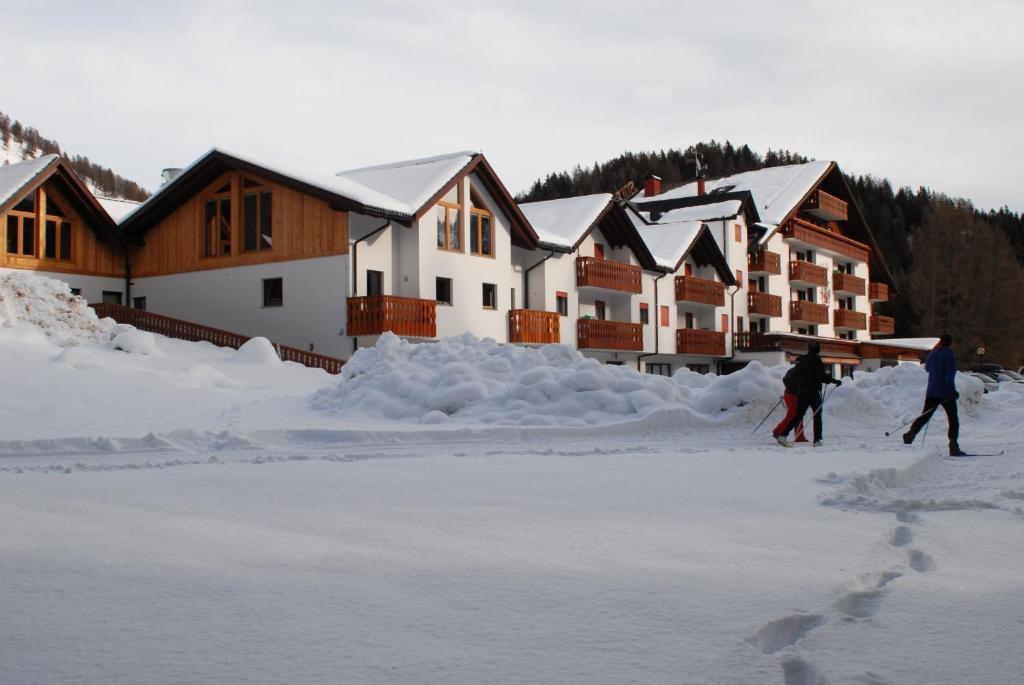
{"x": 700, "y": 186}
{"x": 652, "y": 185}
{"x": 169, "y": 174}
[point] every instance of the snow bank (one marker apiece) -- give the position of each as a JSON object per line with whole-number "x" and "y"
{"x": 899, "y": 391}
{"x": 472, "y": 380}
{"x": 135, "y": 341}
{"x": 257, "y": 351}
{"x": 48, "y": 304}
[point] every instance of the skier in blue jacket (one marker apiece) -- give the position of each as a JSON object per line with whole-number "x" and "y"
{"x": 941, "y": 368}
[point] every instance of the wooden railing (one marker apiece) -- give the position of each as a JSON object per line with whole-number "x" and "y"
{"x": 848, "y": 283}
{"x": 607, "y": 273}
{"x": 694, "y": 341}
{"x": 755, "y": 342}
{"x": 764, "y": 304}
{"x": 700, "y": 290}
{"x": 761, "y": 342}
{"x": 827, "y": 207}
{"x": 807, "y": 272}
{"x": 808, "y": 312}
{"x": 883, "y": 325}
{"x": 764, "y": 262}
{"x": 377, "y": 314}
{"x": 806, "y": 232}
{"x": 850, "y": 318}
{"x": 187, "y": 330}
{"x": 531, "y": 326}
{"x": 878, "y": 292}
{"x": 595, "y": 334}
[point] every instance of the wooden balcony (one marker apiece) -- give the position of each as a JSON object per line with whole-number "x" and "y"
{"x": 883, "y": 325}
{"x": 826, "y": 207}
{"x": 595, "y": 334}
{"x": 851, "y": 318}
{"x": 802, "y": 311}
{"x": 378, "y": 314}
{"x": 807, "y": 273}
{"x": 848, "y": 283}
{"x": 700, "y": 291}
{"x": 533, "y": 327}
{"x": 763, "y": 304}
{"x": 878, "y": 292}
{"x": 606, "y": 273}
{"x": 764, "y": 262}
{"x": 697, "y": 342}
{"x": 836, "y": 243}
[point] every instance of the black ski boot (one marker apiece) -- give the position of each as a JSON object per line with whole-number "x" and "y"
{"x": 908, "y": 438}
{"x": 955, "y": 451}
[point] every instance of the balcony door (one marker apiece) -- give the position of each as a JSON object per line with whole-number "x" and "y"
{"x": 599, "y": 310}
{"x": 598, "y": 251}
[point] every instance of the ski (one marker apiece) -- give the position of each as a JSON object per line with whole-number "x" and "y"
{"x": 977, "y": 454}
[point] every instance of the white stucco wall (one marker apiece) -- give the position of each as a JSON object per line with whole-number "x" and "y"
{"x": 232, "y": 299}
{"x": 91, "y": 287}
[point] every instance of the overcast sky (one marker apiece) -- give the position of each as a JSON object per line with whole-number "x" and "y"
{"x": 922, "y": 92}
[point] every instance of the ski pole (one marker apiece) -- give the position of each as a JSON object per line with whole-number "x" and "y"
{"x": 924, "y": 413}
{"x": 768, "y": 414}
{"x": 823, "y": 399}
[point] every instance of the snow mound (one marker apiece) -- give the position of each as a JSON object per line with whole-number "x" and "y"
{"x": 481, "y": 381}
{"x": 48, "y": 304}
{"x": 137, "y": 342}
{"x": 258, "y": 351}
{"x": 900, "y": 390}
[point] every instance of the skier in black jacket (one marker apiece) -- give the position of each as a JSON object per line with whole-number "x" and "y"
{"x": 810, "y": 372}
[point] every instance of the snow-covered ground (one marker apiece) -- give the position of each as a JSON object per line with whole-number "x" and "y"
{"x": 469, "y": 512}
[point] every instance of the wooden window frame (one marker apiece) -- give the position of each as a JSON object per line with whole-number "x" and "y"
{"x": 645, "y": 313}
{"x": 20, "y": 215}
{"x": 491, "y": 288}
{"x": 260, "y": 190}
{"x": 59, "y": 223}
{"x": 479, "y": 210}
{"x": 211, "y": 244}
{"x": 560, "y": 299}
{"x": 448, "y": 208}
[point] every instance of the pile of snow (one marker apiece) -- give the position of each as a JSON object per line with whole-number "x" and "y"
{"x": 258, "y": 351}
{"x": 473, "y": 380}
{"x": 900, "y": 391}
{"x": 135, "y": 341}
{"x": 48, "y": 304}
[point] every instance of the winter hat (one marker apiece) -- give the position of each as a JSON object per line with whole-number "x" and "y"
{"x": 813, "y": 347}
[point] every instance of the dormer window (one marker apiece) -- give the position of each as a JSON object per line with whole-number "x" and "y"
{"x": 481, "y": 227}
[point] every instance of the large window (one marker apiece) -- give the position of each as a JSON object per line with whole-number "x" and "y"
{"x": 21, "y": 227}
{"x": 481, "y": 227}
{"x": 449, "y": 231}
{"x": 57, "y": 241}
{"x": 217, "y": 222}
{"x": 257, "y": 216}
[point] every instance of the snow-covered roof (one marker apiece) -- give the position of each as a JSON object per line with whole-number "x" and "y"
{"x": 714, "y": 210}
{"x": 564, "y": 221}
{"x": 668, "y": 242}
{"x": 412, "y": 182}
{"x": 923, "y": 344}
{"x": 116, "y": 207}
{"x": 323, "y": 180}
{"x": 13, "y": 177}
{"x": 776, "y": 190}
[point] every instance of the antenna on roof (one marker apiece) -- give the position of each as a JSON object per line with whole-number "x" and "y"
{"x": 700, "y": 169}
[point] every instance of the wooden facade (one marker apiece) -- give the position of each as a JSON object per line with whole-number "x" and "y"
{"x": 301, "y": 227}
{"x": 59, "y": 238}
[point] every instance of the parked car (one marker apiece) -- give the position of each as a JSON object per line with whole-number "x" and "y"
{"x": 989, "y": 384}
{"x": 997, "y": 373}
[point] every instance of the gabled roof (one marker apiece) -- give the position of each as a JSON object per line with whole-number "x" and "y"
{"x": 340, "y": 192}
{"x": 777, "y": 191}
{"x": 20, "y": 178}
{"x": 116, "y": 207}
{"x": 565, "y": 222}
{"x": 413, "y": 182}
{"x": 420, "y": 183}
{"x": 670, "y": 242}
{"x": 708, "y": 211}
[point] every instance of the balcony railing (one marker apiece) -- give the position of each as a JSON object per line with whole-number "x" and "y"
{"x": 805, "y": 272}
{"x": 878, "y": 292}
{"x": 700, "y": 291}
{"x": 534, "y": 327}
{"x": 808, "y": 312}
{"x": 377, "y": 314}
{"x": 883, "y": 325}
{"x": 762, "y": 342}
{"x": 764, "y": 262}
{"x": 848, "y": 283}
{"x": 851, "y": 318}
{"x": 694, "y": 341}
{"x": 763, "y": 304}
{"x": 607, "y": 273}
{"x": 595, "y": 334}
{"x": 806, "y": 232}
{"x": 827, "y": 207}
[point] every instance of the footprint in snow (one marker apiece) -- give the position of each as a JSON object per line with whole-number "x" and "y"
{"x": 901, "y": 536}
{"x": 783, "y": 632}
{"x": 920, "y": 561}
{"x": 797, "y": 671}
{"x": 907, "y": 517}
{"x": 865, "y": 598}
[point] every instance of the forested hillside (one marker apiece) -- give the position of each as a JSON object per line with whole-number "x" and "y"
{"x": 958, "y": 269}
{"x": 23, "y": 142}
